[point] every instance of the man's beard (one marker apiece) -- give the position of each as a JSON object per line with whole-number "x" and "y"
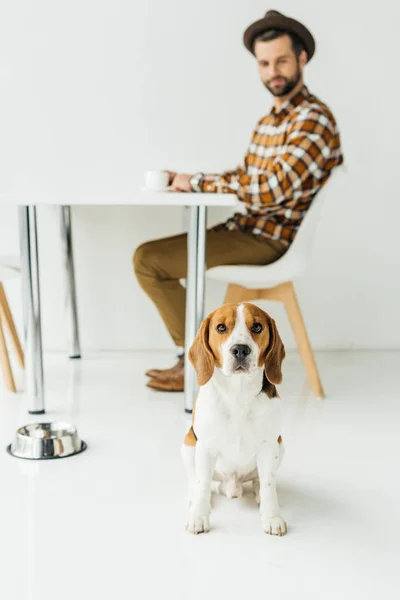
{"x": 290, "y": 84}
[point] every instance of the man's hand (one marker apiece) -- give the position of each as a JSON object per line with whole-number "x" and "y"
{"x": 171, "y": 175}
{"x": 181, "y": 183}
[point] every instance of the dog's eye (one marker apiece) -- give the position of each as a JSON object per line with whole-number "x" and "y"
{"x": 221, "y": 328}
{"x": 257, "y": 328}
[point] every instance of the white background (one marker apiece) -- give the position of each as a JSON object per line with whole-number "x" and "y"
{"x": 94, "y": 93}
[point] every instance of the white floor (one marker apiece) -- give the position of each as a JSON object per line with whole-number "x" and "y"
{"x": 109, "y": 522}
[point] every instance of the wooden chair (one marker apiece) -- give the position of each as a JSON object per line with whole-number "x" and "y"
{"x": 9, "y": 269}
{"x": 275, "y": 282}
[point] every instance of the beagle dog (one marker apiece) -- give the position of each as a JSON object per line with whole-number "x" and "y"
{"x": 236, "y": 421}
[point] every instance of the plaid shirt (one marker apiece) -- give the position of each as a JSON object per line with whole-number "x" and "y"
{"x": 290, "y": 158}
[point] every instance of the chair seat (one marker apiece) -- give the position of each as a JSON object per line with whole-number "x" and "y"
{"x": 10, "y": 267}
{"x": 288, "y": 268}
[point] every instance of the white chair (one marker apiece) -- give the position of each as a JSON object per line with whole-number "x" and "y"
{"x": 275, "y": 282}
{"x": 9, "y": 269}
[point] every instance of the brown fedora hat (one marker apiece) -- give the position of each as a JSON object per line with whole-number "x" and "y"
{"x": 276, "y": 20}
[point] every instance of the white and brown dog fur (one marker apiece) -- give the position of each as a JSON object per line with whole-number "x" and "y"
{"x": 236, "y": 422}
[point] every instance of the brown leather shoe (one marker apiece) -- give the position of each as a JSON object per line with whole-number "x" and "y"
{"x": 175, "y": 371}
{"x": 175, "y": 384}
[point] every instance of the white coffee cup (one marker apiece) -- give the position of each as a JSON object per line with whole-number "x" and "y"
{"x": 156, "y": 180}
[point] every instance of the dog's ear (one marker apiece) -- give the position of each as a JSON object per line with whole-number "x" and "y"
{"x": 200, "y": 354}
{"x": 274, "y": 354}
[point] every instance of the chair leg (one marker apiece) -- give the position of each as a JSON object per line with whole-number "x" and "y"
{"x": 237, "y": 293}
{"x": 5, "y": 364}
{"x": 8, "y": 319}
{"x": 303, "y": 343}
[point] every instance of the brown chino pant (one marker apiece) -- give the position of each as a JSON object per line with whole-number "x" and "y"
{"x": 160, "y": 264}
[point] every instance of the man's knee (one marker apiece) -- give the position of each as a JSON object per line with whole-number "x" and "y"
{"x": 142, "y": 256}
{"x": 148, "y": 259}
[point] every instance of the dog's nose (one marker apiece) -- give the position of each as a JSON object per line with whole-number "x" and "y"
{"x": 240, "y": 351}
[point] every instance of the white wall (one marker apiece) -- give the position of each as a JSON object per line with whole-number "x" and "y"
{"x": 93, "y": 93}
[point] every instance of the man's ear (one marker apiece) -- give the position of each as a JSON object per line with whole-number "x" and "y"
{"x": 200, "y": 354}
{"x": 274, "y": 354}
{"x": 303, "y": 58}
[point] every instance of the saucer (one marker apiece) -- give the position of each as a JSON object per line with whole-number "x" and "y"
{"x": 146, "y": 189}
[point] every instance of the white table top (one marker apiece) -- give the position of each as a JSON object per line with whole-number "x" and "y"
{"x": 110, "y": 198}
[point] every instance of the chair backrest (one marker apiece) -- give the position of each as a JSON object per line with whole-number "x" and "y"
{"x": 301, "y": 249}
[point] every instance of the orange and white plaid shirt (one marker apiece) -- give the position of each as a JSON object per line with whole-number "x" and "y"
{"x": 290, "y": 158}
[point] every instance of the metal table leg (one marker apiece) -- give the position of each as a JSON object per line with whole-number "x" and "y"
{"x": 31, "y": 301}
{"x": 68, "y": 260}
{"x": 195, "y": 286}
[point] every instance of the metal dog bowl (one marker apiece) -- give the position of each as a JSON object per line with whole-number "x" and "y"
{"x": 40, "y": 441}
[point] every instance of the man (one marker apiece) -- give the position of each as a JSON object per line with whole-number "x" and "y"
{"x": 292, "y": 152}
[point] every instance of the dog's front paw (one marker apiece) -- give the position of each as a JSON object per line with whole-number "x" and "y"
{"x": 198, "y": 522}
{"x": 274, "y": 525}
